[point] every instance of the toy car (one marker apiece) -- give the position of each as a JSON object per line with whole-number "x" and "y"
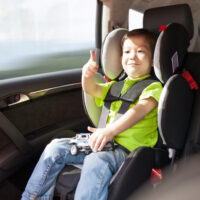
{"x": 80, "y": 143}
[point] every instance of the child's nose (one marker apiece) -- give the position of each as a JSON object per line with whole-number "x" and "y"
{"x": 132, "y": 54}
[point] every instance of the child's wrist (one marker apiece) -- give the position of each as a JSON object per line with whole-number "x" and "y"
{"x": 111, "y": 130}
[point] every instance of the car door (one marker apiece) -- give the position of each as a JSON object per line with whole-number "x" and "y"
{"x": 40, "y": 86}
{"x": 33, "y": 110}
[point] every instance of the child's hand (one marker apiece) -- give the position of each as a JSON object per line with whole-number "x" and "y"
{"x": 91, "y": 67}
{"x": 99, "y": 138}
{"x": 88, "y": 80}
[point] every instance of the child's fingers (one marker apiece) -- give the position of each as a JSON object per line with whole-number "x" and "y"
{"x": 92, "y": 56}
{"x": 93, "y": 67}
{"x": 91, "y": 129}
{"x": 103, "y": 143}
{"x": 97, "y": 144}
{"x": 92, "y": 141}
{"x": 88, "y": 73}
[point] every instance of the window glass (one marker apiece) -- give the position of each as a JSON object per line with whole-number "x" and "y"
{"x": 39, "y": 36}
{"x": 135, "y": 19}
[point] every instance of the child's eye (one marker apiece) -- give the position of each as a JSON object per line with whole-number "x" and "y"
{"x": 140, "y": 51}
{"x": 126, "y": 51}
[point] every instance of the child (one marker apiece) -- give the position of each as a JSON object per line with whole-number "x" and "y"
{"x": 137, "y": 127}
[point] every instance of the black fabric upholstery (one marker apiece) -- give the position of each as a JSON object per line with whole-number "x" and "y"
{"x": 193, "y": 139}
{"x": 161, "y": 158}
{"x": 192, "y": 64}
{"x": 133, "y": 173}
{"x": 174, "y": 111}
{"x": 169, "y": 58}
{"x": 155, "y": 17}
{"x": 66, "y": 189}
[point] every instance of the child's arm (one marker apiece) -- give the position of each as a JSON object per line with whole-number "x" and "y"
{"x": 102, "y": 135}
{"x": 88, "y": 82}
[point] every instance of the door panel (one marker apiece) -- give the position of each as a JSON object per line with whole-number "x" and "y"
{"x": 52, "y": 106}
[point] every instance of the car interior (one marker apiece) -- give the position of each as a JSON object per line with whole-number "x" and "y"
{"x": 37, "y": 108}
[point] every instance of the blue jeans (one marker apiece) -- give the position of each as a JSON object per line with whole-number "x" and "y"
{"x": 96, "y": 173}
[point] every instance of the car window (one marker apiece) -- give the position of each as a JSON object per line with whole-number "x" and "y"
{"x": 39, "y": 36}
{"x": 135, "y": 19}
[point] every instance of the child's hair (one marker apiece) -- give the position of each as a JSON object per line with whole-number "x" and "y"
{"x": 150, "y": 37}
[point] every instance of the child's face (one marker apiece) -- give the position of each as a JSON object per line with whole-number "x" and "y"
{"x": 136, "y": 57}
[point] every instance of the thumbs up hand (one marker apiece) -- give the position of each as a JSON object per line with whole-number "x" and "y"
{"x": 88, "y": 79}
{"x": 91, "y": 67}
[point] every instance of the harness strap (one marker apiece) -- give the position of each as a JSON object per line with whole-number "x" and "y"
{"x": 123, "y": 148}
{"x": 132, "y": 94}
{"x": 129, "y": 97}
{"x": 124, "y": 107}
{"x": 104, "y": 114}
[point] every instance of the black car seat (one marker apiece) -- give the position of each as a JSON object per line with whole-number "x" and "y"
{"x": 170, "y": 51}
{"x": 183, "y": 183}
{"x": 175, "y": 105}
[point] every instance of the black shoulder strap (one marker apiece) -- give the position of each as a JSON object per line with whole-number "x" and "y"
{"x": 114, "y": 92}
{"x": 129, "y": 97}
{"x": 132, "y": 95}
{"x": 135, "y": 90}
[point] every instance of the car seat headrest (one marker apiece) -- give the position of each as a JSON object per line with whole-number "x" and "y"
{"x": 111, "y": 53}
{"x": 181, "y": 14}
{"x": 171, "y": 48}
